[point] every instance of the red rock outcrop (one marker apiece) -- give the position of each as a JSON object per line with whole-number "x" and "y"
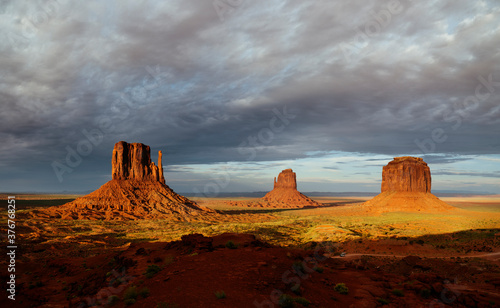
{"x": 132, "y": 161}
{"x": 285, "y": 193}
{"x": 406, "y": 187}
{"x": 409, "y": 174}
{"x": 137, "y": 191}
{"x": 286, "y": 179}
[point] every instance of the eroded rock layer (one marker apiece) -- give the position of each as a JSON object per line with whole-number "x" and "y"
{"x": 137, "y": 191}
{"x": 406, "y": 187}
{"x": 407, "y": 174}
{"x": 285, "y": 193}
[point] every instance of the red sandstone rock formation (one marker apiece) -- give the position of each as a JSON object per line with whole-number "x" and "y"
{"x": 132, "y": 161}
{"x": 406, "y": 187}
{"x": 286, "y": 179}
{"x": 137, "y": 191}
{"x": 409, "y": 174}
{"x": 285, "y": 193}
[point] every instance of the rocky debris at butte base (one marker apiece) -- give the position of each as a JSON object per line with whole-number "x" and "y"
{"x": 137, "y": 191}
{"x": 406, "y": 187}
{"x": 284, "y": 194}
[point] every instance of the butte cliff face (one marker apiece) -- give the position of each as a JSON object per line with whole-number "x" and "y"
{"x": 137, "y": 191}
{"x": 406, "y": 186}
{"x": 132, "y": 161}
{"x": 407, "y": 174}
{"x": 287, "y": 179}
{"x": 285, "y": 193}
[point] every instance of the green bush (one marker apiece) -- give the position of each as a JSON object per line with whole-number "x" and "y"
{"x": 286, "y": 301}
{"x": 130, "y": 293}
{"x": 152, "y": 270}
{"x": 298, "y": 267}
{"x": 341, "y": 288}
{"x": 144, "y": 292}
{"x": 129, "y": 301}
{"x": 112, "y": 300}
{"x": 304, "y": 302}
{"x": 231, "y": 245}
{"x": 398, "y": 292}
{"x": 220, "y": 294}
{"x": 318, "y": 269}
{"x": 383, "y": 301}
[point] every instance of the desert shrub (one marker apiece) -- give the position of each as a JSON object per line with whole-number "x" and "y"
{"x": 231, "y": 245}
{"x": 304, "y": 302}
{"x": 425, "y": 293}
{"x": 152, "y": 270}
{"x": 220, "y": 294}
{"x": 129, "y": 301}
{"x": 144, "y": 292}
{"x": 112, "y": 300}
{"x": 383, "y": 301}
{"x": 286, "y": 301}
{"x": 398, "y": 292}
{"x": 298, "y": 267}
{"x": 296, "y": 289}
{"x": 130, "y": 293}
{"x": 318, "y": 269}
{"x": 341, "y": 288}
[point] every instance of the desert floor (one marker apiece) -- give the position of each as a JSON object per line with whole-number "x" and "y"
{"x": 449, "y": 259}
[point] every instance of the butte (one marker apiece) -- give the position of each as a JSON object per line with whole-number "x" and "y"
{"x": 406, "y": 187}
{"x": 285, "y": 193}
{"x": 137, "y": 191}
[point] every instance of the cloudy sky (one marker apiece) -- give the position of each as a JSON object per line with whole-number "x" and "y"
{"x": 234, "y": 91}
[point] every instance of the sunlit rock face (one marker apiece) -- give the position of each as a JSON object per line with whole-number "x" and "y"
{"x": 406, "y": 174}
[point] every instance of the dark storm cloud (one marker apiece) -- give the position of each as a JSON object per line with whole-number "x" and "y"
{"x": 176, "y": 77}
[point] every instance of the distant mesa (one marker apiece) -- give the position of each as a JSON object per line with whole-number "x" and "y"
{"x": 285, "y": 193}
{"x": 137, "y": 191}
{"x": 406, "y": 186}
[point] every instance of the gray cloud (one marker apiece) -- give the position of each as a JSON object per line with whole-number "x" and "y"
{"x": 174, "y": 76}
{"x": 495, "y": 174}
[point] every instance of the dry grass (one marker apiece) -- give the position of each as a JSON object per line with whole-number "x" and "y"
{"x": 282, "y": 227}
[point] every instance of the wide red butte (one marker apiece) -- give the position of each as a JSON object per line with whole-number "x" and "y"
{"x": 285, "y": 193}
{"x": 406, "y": 186}
{"x": 137, "y": 191}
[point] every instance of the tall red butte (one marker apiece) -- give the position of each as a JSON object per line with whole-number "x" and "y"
{"x": 406, "y": 187}
{"x": 137, "y": 191}
{"x": 285, "y": 193}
